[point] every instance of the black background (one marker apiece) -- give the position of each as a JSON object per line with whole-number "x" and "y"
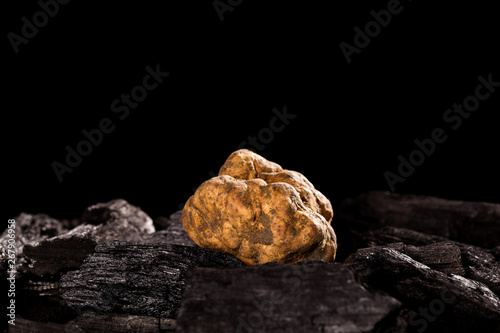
{"x": 353, "y": 120}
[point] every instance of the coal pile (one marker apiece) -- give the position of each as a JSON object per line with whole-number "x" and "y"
{"x": 405, "y": 263}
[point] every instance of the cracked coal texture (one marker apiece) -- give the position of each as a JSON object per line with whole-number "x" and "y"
{"x": 138, "y": 279}
{"x": 473, "y": 307}
{"x": 312, "y": 296}
{"x": 114, "y": 220}
{"x": 479, "y": 264}
{"x": 476, "y": 223}
{"x": 394, "y": 243}
{"x": 30, "y": 229}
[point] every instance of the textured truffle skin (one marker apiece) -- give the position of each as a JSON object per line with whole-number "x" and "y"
{"x": 260, "y": 213}
{"x": 245, "y": 164}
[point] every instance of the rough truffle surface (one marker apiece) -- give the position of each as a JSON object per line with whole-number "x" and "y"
{"x": 259, "y": 212}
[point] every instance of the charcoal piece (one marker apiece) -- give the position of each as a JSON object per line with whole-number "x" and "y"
{"x": 476, "y": 223}
{"x": 35, "y": 228}
{"x": 456, "y": 303}
{"x": 29, "y": 229}
{"x": 350, "y": 233}
{"x": 38, "y": 299}
{"x": 117, "y": 323}
{"x": 388, "y": 235}
{"x": 176, "y": 217}
{"x": 176, "y": 233}
{"x": 311, "y": 296}
{"x": 479, "y": 264}
{"x": 24, "y": 325}
{"x": 137, "y": 278}
{"x": 173, "y": 233}
{"x": 118, "y": 220}
{"x": 118, "y": 209}
{"x": 443, "y": 256}
{"x": 63, "y": 252}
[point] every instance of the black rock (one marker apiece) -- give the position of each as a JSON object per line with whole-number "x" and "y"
{"x": 29, "y": 229}
{"x": 115, "y": 220}
{"x": 305, "y": 297}
{"x": 119, "y": 275}
{"x": 39, "y": 300}
{"x": 46, "y": 258}
{"x": 445, "y": 302}
{"x": 118, "y": 214}
{"x": 173, "y": 233}
{"x": 443, "y": 256}
{"x": 388, "y": 235}
{"x": 137, "y": 279}
{"x": 24, "y": 325}
{"x": 62, "y": 253}
{"x": 476, "y": 223}
{"x": 92, "y": 322}
{"x": 479, "y": 264}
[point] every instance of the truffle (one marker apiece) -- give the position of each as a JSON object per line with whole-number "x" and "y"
{"x": 259, "y": 212}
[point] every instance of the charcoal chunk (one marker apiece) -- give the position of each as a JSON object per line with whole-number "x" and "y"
{"x": 29, "y": 229}
{"x": 137, "y": 278}
{"x": 92, "y": 322}
{"x": 464, "y": 305}
{"x": 173, "y": 233}
{"x": 479, "y": 264}
{"x": 311, "y": 296}
{"x": 443, "y": 256}
{"x": 476, "y": 223}
{"x": 116, "y": 220}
